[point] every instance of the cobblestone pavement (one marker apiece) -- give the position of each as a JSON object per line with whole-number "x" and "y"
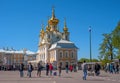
{"x": 71, "y": 77}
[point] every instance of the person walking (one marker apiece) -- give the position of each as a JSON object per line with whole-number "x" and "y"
{"x": 47, "y": 69}
{"x": 111, "y": 68}
{"x": 21, "y": 68}
{"x": 97, "y": 69}
{"x": 50, "y": 68}
{"x": 39, "y": 66}
{"x": 60, "y": 69}
{"x": 30, "y": 69}
{"x": 14, "y": 67}
{"x": 117, "y": 68}
{"x": 74, "y": 68}
{"x": 71, "y": 68}
{"x": 67, "y": 67}
{"x": 84, "y": 68}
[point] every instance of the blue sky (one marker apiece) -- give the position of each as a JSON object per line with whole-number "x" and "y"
{"x": 20, "y": 22}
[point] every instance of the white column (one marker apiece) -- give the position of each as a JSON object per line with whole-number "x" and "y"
{"x": 46, "y": 53}
{"x": 55, "y": 56}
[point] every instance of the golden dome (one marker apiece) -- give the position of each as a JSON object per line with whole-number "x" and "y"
{"x": 65, "y": 29}
{"x": 53, "y": 20}
{"x": 42, "y": 31}
{"x": 48, "y": 28}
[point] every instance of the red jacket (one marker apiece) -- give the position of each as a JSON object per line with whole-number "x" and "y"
{"x": 50, "y": 67}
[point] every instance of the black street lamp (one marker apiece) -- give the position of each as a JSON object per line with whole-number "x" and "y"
{"x": 90, "y": 43}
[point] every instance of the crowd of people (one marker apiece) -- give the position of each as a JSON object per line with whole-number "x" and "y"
{"x": 90, "y": 68}
{"x": 49, "y": 69}
{"x": 112, "y": 68}
{"x": 86, "y": 68}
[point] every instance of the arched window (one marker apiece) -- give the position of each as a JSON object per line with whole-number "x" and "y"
{"x": 66, "y": 54}
{"x": 72, "y": 55}
{"x": 66, "y": 37}
{"x": 61, "y": 54}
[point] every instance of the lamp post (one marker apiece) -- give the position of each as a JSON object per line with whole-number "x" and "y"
{"x": 90, "y": 43}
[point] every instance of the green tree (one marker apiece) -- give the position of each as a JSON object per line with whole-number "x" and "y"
{"x": 106, "y": 48}
{"x": 95, "y": 60}
{"x": 88, "y": 60}
{"x": 116, "y": 39}
{"x": 84, "y": 59}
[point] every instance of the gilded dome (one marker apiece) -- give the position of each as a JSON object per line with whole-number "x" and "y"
{"x": 53, "y": 20}
{"x": 42, "y": 31}
{"x": 48, "y": 28}
{"x": 65, "y": 29}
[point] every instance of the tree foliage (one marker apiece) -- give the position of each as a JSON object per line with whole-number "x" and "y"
{"x": 106, "y": 48}
{"x": 116, "y": 38}
{"x": 88, "y": 60}
{"x": 110, "y": 46}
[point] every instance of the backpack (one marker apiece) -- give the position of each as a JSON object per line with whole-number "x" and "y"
{"x": 85, "y": 66}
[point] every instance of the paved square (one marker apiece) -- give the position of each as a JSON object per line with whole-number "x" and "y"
{"x": 71, "y": 77}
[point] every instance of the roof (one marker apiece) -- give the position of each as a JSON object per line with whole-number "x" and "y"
{"x": 28, "y": 52}
{"x": 63, "y": 44}
{"x": 64, "y": 41}
{"x": 1, "y": 50}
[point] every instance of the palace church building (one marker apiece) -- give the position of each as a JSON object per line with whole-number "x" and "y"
{"x": 54, "y": 46}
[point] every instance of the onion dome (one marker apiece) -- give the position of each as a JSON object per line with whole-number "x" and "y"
{"x": 42, "y": 32}
{"x": 48, "y": 28}
{"x": 53, "y": 20}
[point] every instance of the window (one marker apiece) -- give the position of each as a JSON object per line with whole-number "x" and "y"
{"x": 48, "y": 36}
{"x": 72, "y": 55}
{"x": 66, "y": 54}
{"x": 66, "y": 37}
{"x": 60, "y": 54}
{"x": 60, "y": 63}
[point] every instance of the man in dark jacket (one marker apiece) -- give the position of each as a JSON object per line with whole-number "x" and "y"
{"x": 21, "y": 68}
{"x": 47, "y": 69}
{"x": 30, "y": 69}
{"x": 60, "y": 69}
{"x": 97, "y": 69}
{"x": 39, "y": 66}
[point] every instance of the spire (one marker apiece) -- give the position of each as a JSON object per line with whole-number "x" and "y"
{"x": 42, "y": 30}
{"x": 53, "y": 14}
{"x": 42, "y": 25}
{"x": 48, "y": 26}
{"x": 65, "y": 29}
{"x": 65, "y": 23}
